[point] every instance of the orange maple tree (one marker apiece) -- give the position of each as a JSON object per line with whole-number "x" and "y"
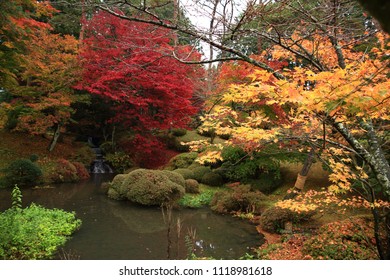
{"x": 43, "y": 73}
{"x": 341, "y": 113}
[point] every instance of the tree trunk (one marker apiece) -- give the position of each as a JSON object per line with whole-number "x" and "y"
{"x": 302, "y": 175}
{"x": 55, "y": 137}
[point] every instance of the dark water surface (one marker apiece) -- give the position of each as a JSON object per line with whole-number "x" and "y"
{"x": 115, "y": 230}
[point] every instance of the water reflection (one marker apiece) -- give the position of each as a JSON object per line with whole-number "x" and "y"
{"x": 121, "y": 230}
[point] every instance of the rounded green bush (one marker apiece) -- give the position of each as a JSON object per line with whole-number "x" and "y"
{"x": 241, "y": 199}
{"x": 200, "y": 171}
{"x": 107, "y": 147}
{"x": 186, "y": 173}
{"x": 212, "y": 179}
{"x": 179, "y": 132}
{"x": 60, "y": 171}
{"x": 114, "y": 189}
{"x": 120, "y": 161}
{"x": 182, "y": 160}
{"x": 175, "y": 177}
{"x": 192, "y": 186}
{"x": 146, "y": 187}
{"x": 22, "y": 172}
{"x": 114, "y": 194}
{"x": 33, "y": 157}
{"x": 274, "y": 218}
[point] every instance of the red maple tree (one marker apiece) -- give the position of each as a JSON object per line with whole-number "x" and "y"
{"x": 133, "y": 65}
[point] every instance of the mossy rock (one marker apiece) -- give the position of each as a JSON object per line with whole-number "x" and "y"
{"x": 200, "y": 171}
{"x": 192, "y": 186}
{"x": 147, "y": 187}
{"x": 240, "y": 199}
{"x": 186, "y": 173}
{"x": 182, "y": 160}
{"x": 212, "y": 179}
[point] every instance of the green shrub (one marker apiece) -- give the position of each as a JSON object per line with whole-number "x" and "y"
{"x": 350, "y": 239}
{"x": 191, "y": 186}
{"x": 85, "y": 155}
{"x": 239, "y": 166}
{"x": 108, "y": 148}
{"x": 115, "y": 190}
{"x": 274, "y": 218}
{"x": 174, "y": 143}
{"x": 22, "y": 172}
{"x": 212, "y": 179}
{"x": 240, "y": 199}
{"x": 186, "y": 173}
{"x": 182, "y": 160}
{"x": 233, "y": 154}
{"x": 120, "y": 161}
{"x": 60, "y": 171}
{"x": 266, "y": 182}
{"x": 33, "y": 157}
{"x": 34, "y": 232}
{"x": 200, "y": 171}
{"x": 175, "y": 177}
{"x": 179, "y": 132}
{"x": 146, "y": 187}
{"x": 195, "y": 165}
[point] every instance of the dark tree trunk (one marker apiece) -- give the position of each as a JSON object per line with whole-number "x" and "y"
{"x": 302, "y": 175}
{"x": 55, "y": 137}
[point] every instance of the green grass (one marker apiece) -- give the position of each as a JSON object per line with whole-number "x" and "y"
{"x": 199, "y": 200}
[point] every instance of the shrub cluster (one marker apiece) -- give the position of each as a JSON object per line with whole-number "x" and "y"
{"x": 120, "y": 161}
{"x": 21, "y": 172}
{"x": 191, "y": 186}
{"x": 274, "y": 218}
{"x": 63, "y": 171}
{"x": 148, "y": 187}
{"x": 183, "y": 160}
{"x": 185, "y": 172}
{"x": 241, "y": 199}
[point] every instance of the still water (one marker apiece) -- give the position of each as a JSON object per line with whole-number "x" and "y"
{"x": 117, "y": 230}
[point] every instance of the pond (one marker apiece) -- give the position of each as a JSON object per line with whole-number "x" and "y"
{"x": 116, "y": 230}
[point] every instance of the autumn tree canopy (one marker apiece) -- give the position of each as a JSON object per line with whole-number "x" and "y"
{"x": 132, "y": 64}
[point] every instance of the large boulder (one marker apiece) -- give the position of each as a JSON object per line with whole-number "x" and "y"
{"x": 147, "y": 187}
